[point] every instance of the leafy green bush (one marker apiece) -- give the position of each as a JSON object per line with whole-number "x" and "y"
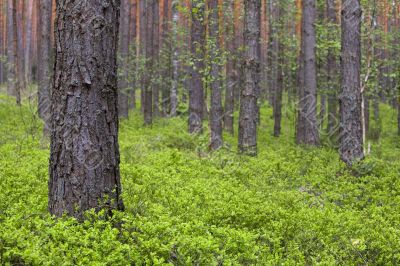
{"x": 291, "y": 205}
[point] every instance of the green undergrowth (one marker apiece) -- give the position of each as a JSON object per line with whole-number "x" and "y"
{"x": 185, "y": 206}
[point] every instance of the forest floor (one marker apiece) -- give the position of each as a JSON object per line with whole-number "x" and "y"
{"x": 184, "y": 206}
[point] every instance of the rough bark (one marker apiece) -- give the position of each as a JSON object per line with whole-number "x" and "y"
{"x": 196, "y": 90}
{"x": 251, "y": 72}
{"x": 44, "y": 68}
{"x": 123, "y": 81}
{"x": 307, "y": 126}
{"x": 278, "y": 65}
{"x": 84, "y": 158}
{"x": 351, "y": 135}
{"x": 216, "y": 112}
{"x": 230, "y": 70}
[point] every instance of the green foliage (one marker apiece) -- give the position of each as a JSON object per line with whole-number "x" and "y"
{"x": 185, "y": 206}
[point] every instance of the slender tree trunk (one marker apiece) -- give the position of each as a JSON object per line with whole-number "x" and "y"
{"x": 143, "y": 53}
{"x": 84, "y": 158}
{"x": 148, "y": 94}
{"x": 11, "y": 74}
{"x": 167, "y": 50}
{"x": 307, "y": 126}
{"x": 2, "y": 38}
{"x": 251, "y": 69}
{"x": 332, "y": 73}
{"x": 175, "y": 60}
{"x": 196, "y": 90}
{"x": 278, "y": 66}
{"x": 19, "y": 26}
{"x": 123, "y": 81}
{"x": 16, "y": 54}
{"x": 155, "y": 58}
{"x": 351, "y": 140}
{"x": 230, "y": 69}
{"x": 239, "y": 34}
{"x": 133, "y": 54}
{"x": 44, "y": 68}
{"x": 28, "y": 50}
{"x": 216, "y": 112}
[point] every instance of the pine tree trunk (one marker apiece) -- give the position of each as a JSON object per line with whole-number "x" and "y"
{"x": 148, "y": 93}
{"x": 230, "y": 70}
{"x": 251, "y": 71}
{"x": 2, "y": 38}
{"x": 133, "y": 53}
{"x": 44, "y": 68}
{"x": 84, "y": 158}
{"x": 196, "y": 90}
{"x": 142, "y": 51}
{"x": 17, "y": 55}
{"x": 216, "y": 112}
{"x": 307, "y": 126}
{"x": 175, "y": 61}
{"x": 28, "y": 50}
{"x": 332, "y": 73}
{"x": 11, "y": 74}
{"x": 123, "y": 81}
{"x": 155, "y": 58}
{"x": 351, "y": 140}
{"x": 278, "y": 65}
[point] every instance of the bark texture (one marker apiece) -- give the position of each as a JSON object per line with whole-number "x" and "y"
{"x": 251, "y": 71}
{"x": 196, "y": 90}
{"x": 216, "y": 113}
{"x": 44, "y": 68}
{"x": 84, "y": 158}
{"x": 11, "y": 75}
{"x": 351, "y": 135}
{"x": 307, "y": 125}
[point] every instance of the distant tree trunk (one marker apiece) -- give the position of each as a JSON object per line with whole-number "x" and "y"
{"x": 239, "y": 34}
{"x": 28, "y": 50}
{"x": 143, "y": 53}
{"x": 175, "y": 60}
{"x": 19, "y": 25}
{"x": 196, "y": 90}
{"x": 84, "y": 158}
{"x": 167, "y": 50}
{"x": 133, "y": 54}
{"x": 278, "y": 51}
{"x": 44, "y": 68}
{"x": 155, "y": 58}
{"x": 216, "y": 112}
{"x": 351, "y": 135}
{"x": 148, "y": 93}
{"x": 230, "y": 69}
{"x": 307, "y": 128}
{"x": 11, "y": 74}
{"x": 16, "y": 54}
{"x": 123, "y": 81}
{"x": 332, "y": 75}
{"x": 251, "y": 72}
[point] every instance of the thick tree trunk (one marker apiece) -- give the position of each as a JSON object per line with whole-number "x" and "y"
{"x": 123, "y": 81}
{"x": 216, "y": 112}
{"x": 251, "y": 69}
{"x": 230, "y": 70}
{"x": 351, "y": 135}
{"x": 332, "y": 72}
{"x": 44, "y": 68}
{"x": 196, "y": 90}
{"x": 84, "y": 158}
{"x": 307, "y": 126}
